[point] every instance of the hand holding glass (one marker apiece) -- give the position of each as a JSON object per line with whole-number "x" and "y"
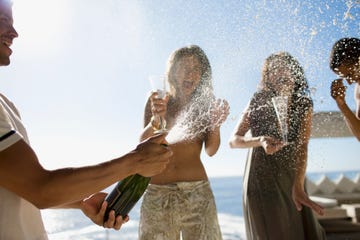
{"x": 160, "y": 85}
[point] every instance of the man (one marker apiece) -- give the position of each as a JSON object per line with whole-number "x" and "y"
{"x": 345, "y": 62}
{"x": 26, "y": 187}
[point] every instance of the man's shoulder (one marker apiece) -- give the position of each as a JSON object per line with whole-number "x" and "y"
{"x": 5, "y": 100}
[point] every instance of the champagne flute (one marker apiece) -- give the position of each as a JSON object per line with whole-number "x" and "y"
{"x": 281, "y": 108}
{"x": 160, "y": 85}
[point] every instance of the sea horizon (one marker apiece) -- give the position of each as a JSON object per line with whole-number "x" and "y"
{"x": 71, "y": 224}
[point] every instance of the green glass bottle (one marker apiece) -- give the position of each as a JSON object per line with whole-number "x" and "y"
{"x": 126, "y": 194}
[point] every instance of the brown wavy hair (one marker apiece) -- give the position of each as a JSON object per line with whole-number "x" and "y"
{"x": 206, "y": 72}
{"x": 345, "y": 51}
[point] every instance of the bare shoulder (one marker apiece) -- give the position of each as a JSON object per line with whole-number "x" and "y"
{"x": 357, "y": 91}
{"x": 357, "y": 99}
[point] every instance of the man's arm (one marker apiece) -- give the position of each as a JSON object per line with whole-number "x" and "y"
{"x": 21, "y": 173}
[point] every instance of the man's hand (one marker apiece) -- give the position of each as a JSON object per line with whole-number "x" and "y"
{"x": 94, "y": 208}
{"x": 153, "y": 154}
{"x": 338, "y": 90}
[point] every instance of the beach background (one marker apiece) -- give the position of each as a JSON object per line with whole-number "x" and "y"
{"x": 79, "y": 77}
{"x": 73, "y": 225}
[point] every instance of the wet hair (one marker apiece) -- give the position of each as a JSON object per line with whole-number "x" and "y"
{"x": 195, "y": 119}
{"x": 345, "y": 51}
{"x": 287, "y": 61}
{"x": 188, "y": 51}
{"x": 301, "y": 101}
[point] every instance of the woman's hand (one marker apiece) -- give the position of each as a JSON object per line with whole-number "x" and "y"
{"x": 158, "y": 105}
{"x": 271, "y": 145}
{"x": 300, "y": 198}
{"x": 94, "y": 208}
{"x": 219, "y": 111}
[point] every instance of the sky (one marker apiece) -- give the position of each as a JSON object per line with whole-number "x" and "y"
{"x": 80, "y": 69}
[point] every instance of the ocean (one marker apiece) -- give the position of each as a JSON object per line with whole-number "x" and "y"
{"x": 72, "y": 224}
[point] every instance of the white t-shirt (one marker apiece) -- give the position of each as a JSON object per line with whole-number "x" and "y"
{"x": 19, "y": 219}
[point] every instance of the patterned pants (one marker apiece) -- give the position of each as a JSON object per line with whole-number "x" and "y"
{"x": 186, "y": 208}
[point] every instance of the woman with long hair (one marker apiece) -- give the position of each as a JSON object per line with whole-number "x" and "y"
{"x": 179, "y": 201}
{"x": 277, "y": 133}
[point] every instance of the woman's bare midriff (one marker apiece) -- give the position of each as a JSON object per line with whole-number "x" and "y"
{"x": 184, "y": 166}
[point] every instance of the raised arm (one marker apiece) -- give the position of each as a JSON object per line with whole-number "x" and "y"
{"x": 240, "y": 139}
{"x": 154, "y": 109}
{"x": 338, "y": 93}
{"x": 219, "y": 113}
{"x": 353, "y": 121}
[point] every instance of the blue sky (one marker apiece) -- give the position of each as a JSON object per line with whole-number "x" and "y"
{"x": 79, "y": 71}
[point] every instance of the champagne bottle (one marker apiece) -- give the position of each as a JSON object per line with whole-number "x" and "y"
{"x": 126, "y": 194}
